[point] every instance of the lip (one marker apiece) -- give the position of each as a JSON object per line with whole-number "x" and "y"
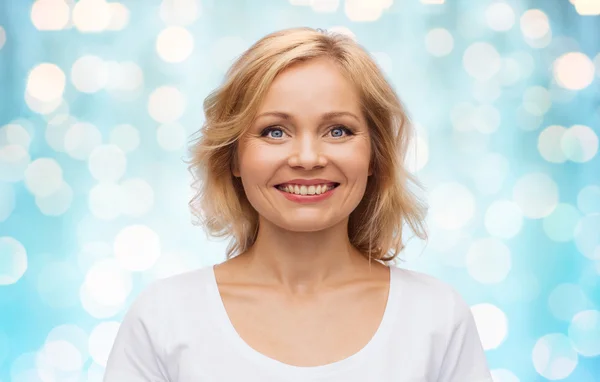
{"x": 307, "y": 199}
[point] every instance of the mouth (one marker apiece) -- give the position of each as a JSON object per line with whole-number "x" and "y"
{"x": 313, "y": 190}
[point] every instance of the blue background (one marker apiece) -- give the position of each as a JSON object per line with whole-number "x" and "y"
{"x": 505, "y": 96}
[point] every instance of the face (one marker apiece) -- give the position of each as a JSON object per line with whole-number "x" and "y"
{"x": 304, "y": 162}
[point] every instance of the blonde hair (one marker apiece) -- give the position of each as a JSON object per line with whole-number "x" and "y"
{"x": 375, "y": 227}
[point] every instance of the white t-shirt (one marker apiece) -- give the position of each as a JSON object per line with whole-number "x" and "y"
{"x": 178, "y": 330}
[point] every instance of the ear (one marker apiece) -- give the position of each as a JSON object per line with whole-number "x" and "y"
{"x": 235, "y": 168}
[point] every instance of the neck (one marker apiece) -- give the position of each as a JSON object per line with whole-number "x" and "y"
{"x": 303, "y": 262}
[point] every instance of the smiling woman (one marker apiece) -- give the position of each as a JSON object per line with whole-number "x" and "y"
{"x": 300, "y": 163}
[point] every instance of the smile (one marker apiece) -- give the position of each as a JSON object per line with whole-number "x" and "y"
{"x": 307, "y": 193}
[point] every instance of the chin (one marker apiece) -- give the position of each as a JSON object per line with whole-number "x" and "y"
{"x": 306, "y": 224}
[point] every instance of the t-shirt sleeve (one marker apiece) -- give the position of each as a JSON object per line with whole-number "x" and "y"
{"x": 135, "y": 355}
{"x": 464, "y": 359}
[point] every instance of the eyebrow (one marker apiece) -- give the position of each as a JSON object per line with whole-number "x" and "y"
{"x": 325, "y": 117}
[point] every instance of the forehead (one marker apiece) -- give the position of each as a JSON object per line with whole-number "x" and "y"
{"x": 315, "y": 86}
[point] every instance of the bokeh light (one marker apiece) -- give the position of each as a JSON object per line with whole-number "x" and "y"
{"x": 554, "y": 357}
{"x": 14, "y": 260}
{"x": 536, "y": 194}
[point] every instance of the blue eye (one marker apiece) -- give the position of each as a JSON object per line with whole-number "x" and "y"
{"x": 275, "y": 133}
{"x": 338, "y": 131}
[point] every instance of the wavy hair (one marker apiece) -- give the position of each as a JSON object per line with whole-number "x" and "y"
{"x": 219, "y": 203}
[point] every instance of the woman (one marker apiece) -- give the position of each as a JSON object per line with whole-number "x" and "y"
{"x": 300, "y": 162}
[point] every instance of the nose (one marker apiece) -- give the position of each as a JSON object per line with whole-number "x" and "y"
{"x": 307, "y": 153}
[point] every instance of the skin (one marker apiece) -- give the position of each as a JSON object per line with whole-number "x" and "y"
{"x": 302, "y": 286}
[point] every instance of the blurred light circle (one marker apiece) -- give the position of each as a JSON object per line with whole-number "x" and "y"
{"x": 492, "y": 325}
{"x": 488, "y": 261}
{"x": 587, "y": 8}
{"x": 171, "y": 137}
{"x": 95, "y": 373}
{"x": 584, "y": 333}
{"x": 125, "y": 136}
{"x": 55, "y": 284}
{"x": 107, "y": 163}
{"x": 503, "y": 219}
{"x": 72, "y": 334}
{"x": 536, "y": 100}
{"x": 549, "y": 144}
{"x": 489, "y": 173}
{"x": 108, "y": 283}
{"x": 132, "y": 76}
{"x": 42, "y": 107}
{"x": 91, "y": 15}
{"x": 487, "y": 92}
{"x": 439, "y": 42}
{"x": 57, "y": 129}
{"x": 119, "y": 16}
{"x": 534, "y": 24}
{"x": 101, "y": 341}
{"x": 89, "y": 74}
{"x": 124, "y": 76}
{"x": 166, "y": 104}
{"x": 461, "y": 116}
{"x": 13, "y": 258}
{"x": 324, "y": 6}
{"x": 137, "y": 247}
{"x": 528, "y": 121}
{"x": 540, "y": 43}
{"x": 95, "y": 308}
{"x": 554, "y": 357}
{"x": 500, "y": 16}
{"x": 579, "y": 143}
{"x": 179, "y": 12}
{"x": 587, "y": 236}
{"x": 526, "y": 63}
{"x": 588, "y": 200}
{"x": 138, "y": 197}
{"x": 574, "y": 70}
{"x": 14, "y": 160}
{"x": 50, "y": 15}
{"x": 510, "y": 71}
{"x": 23, "y": 369}
{"x": 91, "y": 252}
{"x": 360, "y": 10}
{"x": 560, "y": 224}
{"x": 46, "y": 82}
{"x": 174, "y": 44}
{"x": 2, "y": 37}
{"x": 58, "y": 356}
{"x": 57, "y": 203}
{"x": 452, "y": 205}
{"x": 7, "y": 201}
{"x": 417, "y": 154}
{"x": 504, "y": 375}
{"x": 14, "y": 134}
{"x": 481, "y": 61}
{"x": 81, "y": 139}
{"x": 486, "y": 118}
{"x": 566, "y": 299}
{"x": 536, "y": 194}
{"x": 43, "y": 177}
{"x": 105, "y": 201}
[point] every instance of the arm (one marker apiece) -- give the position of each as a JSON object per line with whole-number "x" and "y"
{"x": 464, "y": 359}
{"x": 135, "y": 354}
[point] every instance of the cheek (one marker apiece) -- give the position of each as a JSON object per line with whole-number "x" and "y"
{"x": 353, "y": 159}
{"x": 256, "y": 159}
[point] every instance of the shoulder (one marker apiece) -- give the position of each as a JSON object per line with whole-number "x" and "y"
{"x": 171, "y": 293}
{"x": 431, "y": 297}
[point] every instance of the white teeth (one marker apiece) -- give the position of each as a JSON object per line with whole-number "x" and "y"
{"x": 306, "y": 190}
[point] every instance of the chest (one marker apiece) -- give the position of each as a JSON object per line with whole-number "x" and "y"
{"x": 306, "y": 331}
